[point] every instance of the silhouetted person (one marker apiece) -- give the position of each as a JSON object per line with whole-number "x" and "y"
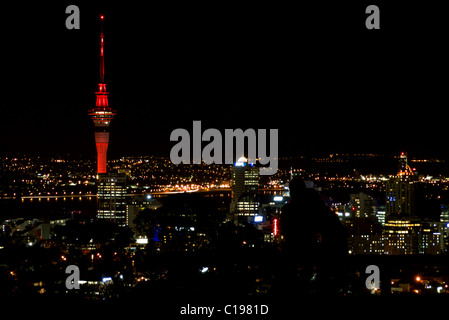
{"x": 314, "y": 239}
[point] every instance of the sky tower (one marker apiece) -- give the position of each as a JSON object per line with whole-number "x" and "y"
{"x": 102, "y": 113}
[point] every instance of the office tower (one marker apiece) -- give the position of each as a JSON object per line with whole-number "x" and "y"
{"x": 363, "y": 205}
{"x": 413, "y": 236}
{"x": 431, "y": 238}
{"x": 137, "y": 204}
{"x": 245, "y": 186}
{"x": 112, "y": 198}
{"x": 444, "y": 221}
{"x": 365, "y": 232}
{"x": 444, "y": 215}
{"x": 400, "y": 192}
{"x": 401, "y": 236}
{"x": 367, "y": 244}
{"x": 380, "y": 214}
{"x": 102, "y": 113}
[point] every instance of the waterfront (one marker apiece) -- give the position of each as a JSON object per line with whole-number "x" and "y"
{"x": 47, "y": 208}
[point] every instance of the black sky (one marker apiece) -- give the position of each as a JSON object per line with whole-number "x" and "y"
{"x": 312, "y": 71}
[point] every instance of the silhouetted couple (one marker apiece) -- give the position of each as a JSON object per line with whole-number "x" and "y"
{"x": 314, "y": 242}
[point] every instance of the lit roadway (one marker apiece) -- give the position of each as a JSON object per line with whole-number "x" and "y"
{"x": 73, "y": 196}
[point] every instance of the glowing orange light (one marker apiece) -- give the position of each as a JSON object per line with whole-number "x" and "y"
{"x": 102, "y": 17}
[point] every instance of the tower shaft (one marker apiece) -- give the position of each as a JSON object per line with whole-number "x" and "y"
{"x": 102, "y": 141}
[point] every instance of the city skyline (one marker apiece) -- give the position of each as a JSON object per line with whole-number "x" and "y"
{"x": 190, "y": 215}
{"x": 360, "y": 179}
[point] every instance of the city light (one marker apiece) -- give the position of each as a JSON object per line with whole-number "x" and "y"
{"x": 106, "y": 279}
{"x": 142, "y": 240}
{"x": 275, "y": 227}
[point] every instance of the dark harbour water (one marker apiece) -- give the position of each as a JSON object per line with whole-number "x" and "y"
{"x": 47, "y": 209}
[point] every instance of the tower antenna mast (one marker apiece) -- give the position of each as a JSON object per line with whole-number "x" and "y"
{"x": 101, "y": 49}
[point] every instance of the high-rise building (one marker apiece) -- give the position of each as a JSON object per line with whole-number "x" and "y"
{"x": 444, "y": 215}
{"x": 401, "y": 236}
{"x": 112, "y": 198}
{"x": 363, "y": 205}
{"x": 102, "y": 114}
{"x": 400, "y": 192}
{"x": 380, "y": 214}
{"x": 365, "y": 235}
{"x": 137, "y": 204}
{"x": 268, "y": 220}
{"x": 413, "y": 236}
{"x": 444, "y": 221}
{"x": 245, "y": 187}
{"x": 431, "y": 238}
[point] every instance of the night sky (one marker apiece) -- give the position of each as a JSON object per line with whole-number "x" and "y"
{"x": 312, "y": 71}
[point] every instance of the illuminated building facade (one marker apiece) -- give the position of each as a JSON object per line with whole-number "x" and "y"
{"x": 365, "y": 235}
{"x": 366, "y": 244}
{"x": 112, "y": 198}
{"x": 245, "y": 186}
{"x": 102, "y": 113}
{"x": 137, "y": 204}
{"x": 400, "y": 192}
{"x": 413, "y": 236}
{"x": 401, "y": 236}
{"x": 270, "y": 214}
{"x": 363, "y": 205}
{"x": 380, "y": 214}
{"x": 444, "y": 222}
{"x": 431, "y": 238}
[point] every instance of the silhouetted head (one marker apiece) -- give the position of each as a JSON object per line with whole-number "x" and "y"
{"x": 297, "y": 187}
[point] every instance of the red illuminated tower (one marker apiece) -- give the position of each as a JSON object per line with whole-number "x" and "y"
{"x": 102, "y": 113}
